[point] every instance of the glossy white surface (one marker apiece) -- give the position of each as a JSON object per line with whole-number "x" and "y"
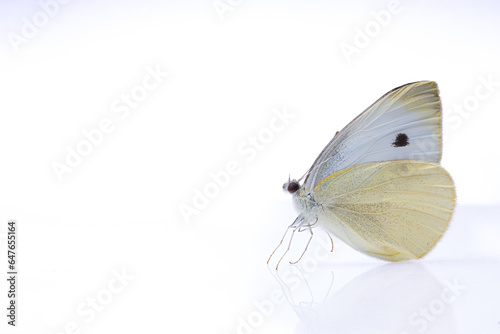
{"x": 256, "y": 96}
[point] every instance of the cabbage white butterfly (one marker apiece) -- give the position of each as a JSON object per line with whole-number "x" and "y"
{"x": 378, "y": 185}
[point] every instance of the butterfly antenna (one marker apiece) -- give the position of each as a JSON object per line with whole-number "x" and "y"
{"x": 316, "y": 167}
{"x": 306, "y": 173}
{"x": 310, "y": 170}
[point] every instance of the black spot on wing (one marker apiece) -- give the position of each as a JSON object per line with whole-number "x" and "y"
{"x": 401, "y": 140}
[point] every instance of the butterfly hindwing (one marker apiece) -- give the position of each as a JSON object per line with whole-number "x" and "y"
{"x": 394, "y": 210}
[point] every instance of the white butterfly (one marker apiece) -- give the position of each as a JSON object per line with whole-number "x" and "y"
{"x": 378, "y": 185}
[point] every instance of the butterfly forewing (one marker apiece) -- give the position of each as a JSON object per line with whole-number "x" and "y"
{"x": 404, "y": 124}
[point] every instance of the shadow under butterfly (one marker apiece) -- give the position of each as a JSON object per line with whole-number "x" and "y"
{"x": 402, "y": 298}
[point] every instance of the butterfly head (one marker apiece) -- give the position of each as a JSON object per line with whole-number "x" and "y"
{"x": 291, "y": 186}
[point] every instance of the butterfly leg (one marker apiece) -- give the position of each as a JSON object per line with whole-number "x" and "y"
{"x": 284, "y": 235}
{"x": 297, "y": 223}
{"x": 287, "y": 249}
{"x": 331, "y": 240}
{"x": 308, "y": 242}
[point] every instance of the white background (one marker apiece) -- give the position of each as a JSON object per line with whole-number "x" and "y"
{"x": 231, "y": 64}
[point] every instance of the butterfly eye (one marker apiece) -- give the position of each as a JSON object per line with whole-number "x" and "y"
{"x": 293, "y": 187}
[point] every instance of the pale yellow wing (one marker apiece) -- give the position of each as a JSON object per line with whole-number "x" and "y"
{"x": 394, "y": 210}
